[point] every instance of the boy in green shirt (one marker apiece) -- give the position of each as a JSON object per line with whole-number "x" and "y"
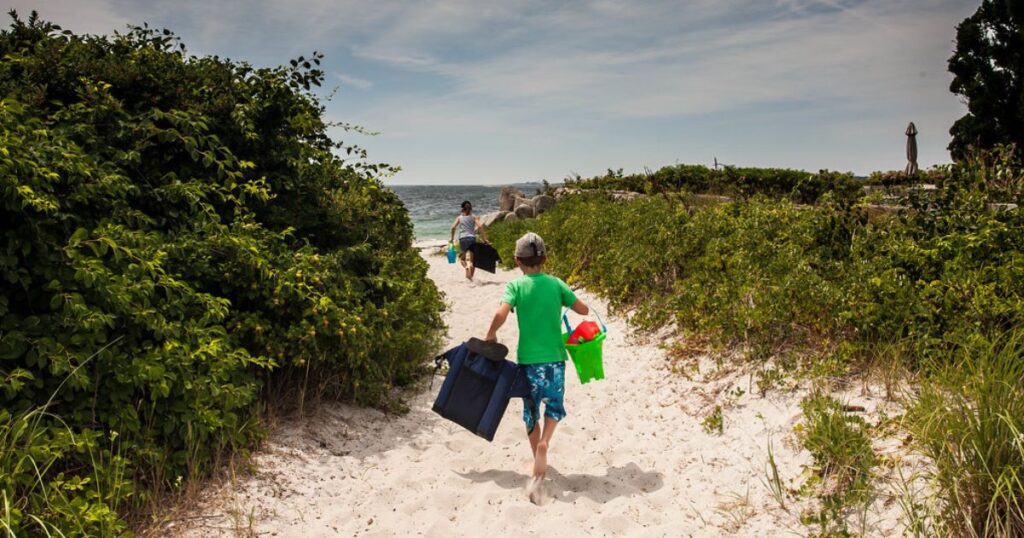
{"x": 538, "y": 299}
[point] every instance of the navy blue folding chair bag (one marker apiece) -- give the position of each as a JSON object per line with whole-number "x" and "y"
{"x": 476, "y": 390}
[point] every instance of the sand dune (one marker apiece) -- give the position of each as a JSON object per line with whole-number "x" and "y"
{"x": 630, "y": 459}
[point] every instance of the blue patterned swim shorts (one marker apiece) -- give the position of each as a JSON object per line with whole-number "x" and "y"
{"x": 547, "y": 384}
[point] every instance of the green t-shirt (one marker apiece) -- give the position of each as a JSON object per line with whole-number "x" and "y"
{"x": 538, "y": 300}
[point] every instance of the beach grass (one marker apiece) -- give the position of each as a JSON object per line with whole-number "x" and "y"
{"x": 969, "y": 420}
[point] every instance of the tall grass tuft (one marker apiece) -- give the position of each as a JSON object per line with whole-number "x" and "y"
{"x": 56, "y": 481}
{"x": 969, "y": 419}
{"x": 42, "y": 489}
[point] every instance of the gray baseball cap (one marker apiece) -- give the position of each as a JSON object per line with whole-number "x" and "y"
{"x": 530, "y": 244}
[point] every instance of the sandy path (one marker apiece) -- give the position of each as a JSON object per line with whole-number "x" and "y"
{"x": 631, "y": 458}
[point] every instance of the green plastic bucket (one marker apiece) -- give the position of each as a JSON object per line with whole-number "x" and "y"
{"x": 586, "y": 357}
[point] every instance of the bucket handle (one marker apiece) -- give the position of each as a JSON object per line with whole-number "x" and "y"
{"x": 568, "y": 328}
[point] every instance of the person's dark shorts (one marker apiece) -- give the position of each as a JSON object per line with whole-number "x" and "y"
{"x": 465, "y": 243}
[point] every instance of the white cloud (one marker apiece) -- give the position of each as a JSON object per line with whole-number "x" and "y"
{"x": 861, "y": 69}
{"x": 844, "y": 54}
{"x": 355, "y": 82}
{"x": 567, "y": 74}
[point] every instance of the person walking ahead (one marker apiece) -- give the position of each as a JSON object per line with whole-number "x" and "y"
{"x": 468, "y": 226}
{"x": 538, "y": 299}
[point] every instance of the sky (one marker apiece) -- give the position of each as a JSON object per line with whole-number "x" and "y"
{"x": 489, "y": 92}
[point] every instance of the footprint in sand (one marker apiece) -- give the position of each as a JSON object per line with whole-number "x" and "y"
{"x": 456, "y": 445}
{"x": 516, "y": 515}
{"x": 617, "y": 525}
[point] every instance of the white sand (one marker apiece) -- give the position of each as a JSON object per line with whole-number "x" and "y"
{"x": 630, "y": 459}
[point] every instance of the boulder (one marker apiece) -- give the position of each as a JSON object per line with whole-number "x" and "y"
{"x": 542, "y": 203}
{"x": 521, "y": 201}
{"x": 509, "y": 217}
{"x": 507, "y": 198}
{"x": 492, "y": 217}
{"x": 525, "y": 211}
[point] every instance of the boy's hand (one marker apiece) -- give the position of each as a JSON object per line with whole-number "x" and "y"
{"x": 497, "y": 322}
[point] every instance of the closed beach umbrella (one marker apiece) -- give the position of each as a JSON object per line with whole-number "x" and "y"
{"x": 911, "y": 169}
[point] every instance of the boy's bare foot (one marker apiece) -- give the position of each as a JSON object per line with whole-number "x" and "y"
{"x": 540, "y": 460}
{"x": 535, "y": 490}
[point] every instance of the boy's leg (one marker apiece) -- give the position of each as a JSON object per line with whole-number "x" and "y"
{"x": 534, "y": 438}
{"x": 554, "y": 411}
{"x": 540, "y": 450}
{"x": 531, "y": 407}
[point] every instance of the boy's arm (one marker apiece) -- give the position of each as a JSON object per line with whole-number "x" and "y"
{"x": 574, "y": 303}
{"x": 499, "y": 319}
{"x": 580, "y": 308}
{"x": 454, "y": 225}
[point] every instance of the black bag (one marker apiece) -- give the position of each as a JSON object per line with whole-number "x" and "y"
{"x": 485, "y": 257}
{"x": 477, "y": 388}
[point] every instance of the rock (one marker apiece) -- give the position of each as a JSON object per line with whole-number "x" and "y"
{"x": 624, "y": 196}
{"x": 618, "y": 196}
{"x": 1002, "y": 207}
{"x": 525, "y": 211}
{"x": 492, "y": 217}
{"x": 507, "y": 198}
{"x": 560, "y": 192}
{"x": 542, "y": 203}
{"x": 509, "y": 217}
{"x": 711, "y": 198}
{"x": 521, "y": 201}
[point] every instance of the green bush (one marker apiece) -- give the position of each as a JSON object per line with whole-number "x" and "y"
{"x": 750, "y": 272}
{"x": 775, "y": 276}
{"x": 777, "y": 183}
{"x": 894, "y": 178}
{"x": 181, "y": 243}
{"x": 843, "y": 460}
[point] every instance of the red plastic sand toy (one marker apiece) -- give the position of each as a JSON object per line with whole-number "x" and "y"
{"x": 585, "y": 332}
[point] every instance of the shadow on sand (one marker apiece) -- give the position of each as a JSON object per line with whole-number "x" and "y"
{"x": 620, "y": 481}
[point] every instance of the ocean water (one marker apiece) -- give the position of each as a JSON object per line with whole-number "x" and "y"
{"x": 433, "y": 208}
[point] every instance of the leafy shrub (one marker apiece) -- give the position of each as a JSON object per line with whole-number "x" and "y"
{"x": 714, "y": 270}
{"x": 181, "y": 243}
{"x": 843, "y": 460}
{"x": 773, "y": 276}
{"x": 893, "y": 178}
{"x": 795, "y": 185}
